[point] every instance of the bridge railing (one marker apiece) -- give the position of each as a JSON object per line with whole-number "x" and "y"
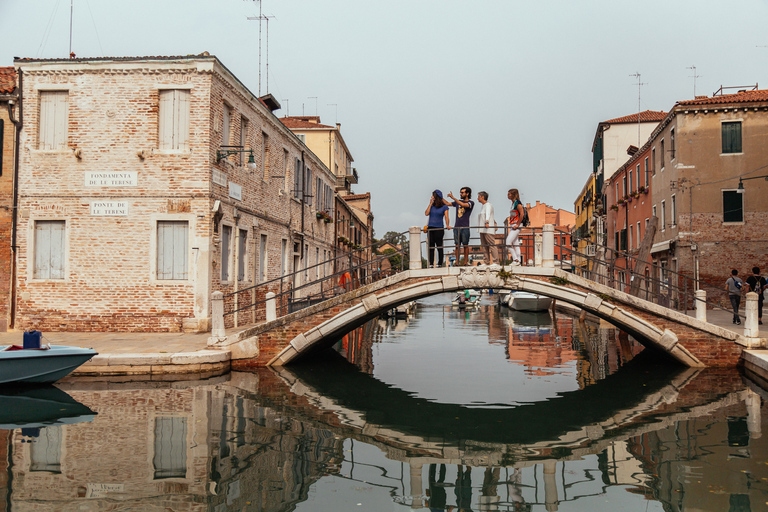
{"x": 313, "y": 283}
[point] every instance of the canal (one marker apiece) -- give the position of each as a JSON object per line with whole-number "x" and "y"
{"x": 447, "y": 409}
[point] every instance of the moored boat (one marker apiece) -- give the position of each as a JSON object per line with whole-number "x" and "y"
{"x": 464, "y": 299}
{"x": 40, "y": 406}
{"x": 525, "y": 301}
{"x": 40, "y": 365}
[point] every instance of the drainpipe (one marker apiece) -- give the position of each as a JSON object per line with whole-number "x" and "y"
{"x": 303, "y": 195}
{"x": 18, "y": 123}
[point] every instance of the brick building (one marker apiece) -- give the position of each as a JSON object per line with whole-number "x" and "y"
{"x": 148, "y": 183}
{"x": 8, "y": 116}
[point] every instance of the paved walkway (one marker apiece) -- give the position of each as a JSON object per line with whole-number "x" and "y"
{"x": 724, "y": 319}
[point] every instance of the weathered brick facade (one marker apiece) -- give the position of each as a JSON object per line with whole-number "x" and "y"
{"x": 114, "y": 180}
{"x": 8, "y": 94}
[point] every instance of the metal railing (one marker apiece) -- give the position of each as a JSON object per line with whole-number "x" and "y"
{"x": 313, "y": 284}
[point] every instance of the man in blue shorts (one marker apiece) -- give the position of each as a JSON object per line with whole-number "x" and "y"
{"x": 461, "y": 226}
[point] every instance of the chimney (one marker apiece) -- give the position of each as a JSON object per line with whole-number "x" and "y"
{"x": 631, "y": 150}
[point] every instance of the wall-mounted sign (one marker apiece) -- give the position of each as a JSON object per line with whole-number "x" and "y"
{"x": 109, "y": 208}
{"x": 235, "y": 191}
{"x": 219, "y": 177}
{"x": 111, "y": 179}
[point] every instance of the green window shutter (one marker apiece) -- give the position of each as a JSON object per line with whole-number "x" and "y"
{"x": 731, "y": 135}
{"x": 733, "y": 207}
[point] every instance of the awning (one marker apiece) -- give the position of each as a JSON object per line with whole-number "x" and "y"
{"x": 661, "y": 246}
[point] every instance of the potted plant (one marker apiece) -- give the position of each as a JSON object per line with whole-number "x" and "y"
{"x": 614, "y": 207}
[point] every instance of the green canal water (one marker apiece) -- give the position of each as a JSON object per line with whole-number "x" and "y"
{"x": 447, "y": 409}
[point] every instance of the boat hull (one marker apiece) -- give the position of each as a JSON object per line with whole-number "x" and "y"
{"x": 40, "y": 406}
{"x": 523, "y": 301}
{"x": 34, "y": 366}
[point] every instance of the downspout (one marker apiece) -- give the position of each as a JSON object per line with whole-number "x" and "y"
{"x": 18, "y": 123}
{"x": 303, "y": 195}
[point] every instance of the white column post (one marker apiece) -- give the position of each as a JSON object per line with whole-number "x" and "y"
{"x": 538, "y": 244}
{"x": 414, "y": 239}
{"x": 271, "y": 307}
{"x": 217, "y": 317}
{"x": 751, "y": 327}
{"x": 701, "y": 305}
{"x": 417, "y": 492}
{"x": 753, "y": 414}
{"x": 548, "y": 256}
{"x": 550, "y": 485}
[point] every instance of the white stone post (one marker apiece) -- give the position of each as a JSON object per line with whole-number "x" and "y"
{"x": 548, "y": 256}
{"x": 271, "y": 307}
{"x": 751, "y": 327}
{"x": 217, "y": 316}
{"x": 753, "y": 414}
{"x": 701, "y": 305}
{"x": 416, "y": 485}
{"x": 414, "y": 239}
{"x": 538, "y": 245}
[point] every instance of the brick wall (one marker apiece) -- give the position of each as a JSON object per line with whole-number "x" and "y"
{"x": 110, "y": 281}
{"x": 6, "y": 214}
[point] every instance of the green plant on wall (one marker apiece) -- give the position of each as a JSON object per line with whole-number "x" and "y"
{"x": 559, "y": 281}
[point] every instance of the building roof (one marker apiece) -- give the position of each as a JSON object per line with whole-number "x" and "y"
{"x": 739, "y": 97}
{"x": 304, "y": 122}
{"x": 7, "y": 80}
{"x": 646, "y": 116}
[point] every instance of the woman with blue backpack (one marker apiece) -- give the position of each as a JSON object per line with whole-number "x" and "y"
{"x": 514, "y": 222}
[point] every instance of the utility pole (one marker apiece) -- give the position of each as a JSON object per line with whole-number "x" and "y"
{"x": 695, "y": 76}
{"x": 639, "y": 84}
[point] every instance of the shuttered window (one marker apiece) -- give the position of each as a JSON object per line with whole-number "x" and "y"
{"x": 731, "y": 133}
{"x": 298, "y": 179}
{"x": 173, "y": 123}
{"x": 225, "y": 125}
{"x": 54, "y": 112}
{"x": 307, "y": 186}
{"x": 263, "y": 258}
{"x": 226, "y": 240}
{"x": 49, "y": 249}
{"x": 170, "y": 459}
{"x": 172, "y": 240}
{"x": 45, "y": 452}
{"x": 242, "y": 254}
{"x": 733, "y": 207}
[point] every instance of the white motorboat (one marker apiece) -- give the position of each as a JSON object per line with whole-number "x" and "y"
{"x": 526, "y": 301}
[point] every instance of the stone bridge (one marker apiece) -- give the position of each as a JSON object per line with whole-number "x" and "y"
{"x": 690, "y": 341}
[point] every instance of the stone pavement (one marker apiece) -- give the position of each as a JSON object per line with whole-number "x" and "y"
{"x": 139, "y": 353}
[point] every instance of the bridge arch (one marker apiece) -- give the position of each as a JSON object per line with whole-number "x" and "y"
{"x": 620, "y": 309}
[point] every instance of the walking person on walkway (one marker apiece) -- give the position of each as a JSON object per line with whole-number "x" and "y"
{"x": 514, "y": 222}
{"x": 463, "y": 207}
{"x": 757, "y": 284}
{"x": 487, "y": 229}
{"x": 733, "y": 285}
{"x": 436, "y": 211}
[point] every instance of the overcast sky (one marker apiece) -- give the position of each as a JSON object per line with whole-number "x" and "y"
{"x": 490, "y": 94}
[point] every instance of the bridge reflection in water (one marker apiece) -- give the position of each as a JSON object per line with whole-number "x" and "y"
{"x": 626, "y": 429}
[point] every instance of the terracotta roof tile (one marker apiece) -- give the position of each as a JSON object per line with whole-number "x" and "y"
{"x": 739, "y": 97}
{"x": 7, "y": 80}
{"x": 645, "y": 116}
{"x": 297, "y": 122}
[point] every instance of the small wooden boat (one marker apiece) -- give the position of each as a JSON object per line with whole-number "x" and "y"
{"x": 46, "y": 364}
{"x": 462, "y": 301}
{"x": 525, "y": 301}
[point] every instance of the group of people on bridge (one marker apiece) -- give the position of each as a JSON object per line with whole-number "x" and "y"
{"x": 439, "y": 220}
{"x": 735, "y": 287}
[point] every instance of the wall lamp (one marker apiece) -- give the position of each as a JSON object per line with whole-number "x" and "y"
{"x": 351, "y": 222}
{"x": 234, "y": 150}
{"x": 740, "y": 190}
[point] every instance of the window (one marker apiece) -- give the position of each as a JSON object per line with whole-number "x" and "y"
{"x": 308, "y": 185}
{"x": 637, "y": 175}
{"x": 733, "y": 206}
{"x": 225, "y": 125}
{"x": 243, "y": 139}
{"x": 629, "y": 174}
{"x": 286, "y": 169}
{"x": 731, "y": 134}
{"x": 624, "y": 185}
{"x": 618, "y": 194}
{"x": 49, "y": 249}
{"x": 639, "y": 236}
{"x": 663, "y": 156}
{"x": 298, "y": 189}
{"x": 631, "y": 236}
{"x": 663, "y": 215}
{"x": 263, "y": 258}
{"x": 317, "y": 263}
{"x": 173, "y": 122}
{"x": 242, "y": 251}
{"x": 265, "y": 155}
{"x": 673, "y": 211}
{"x": 302, "y": 137}
{"x": 226, "y": 240}
{"x": 646, "y": 173}
{"x": 170, "y": 458}
{"x": 654, "y": 211}
{"x": 172, "y": 239}
{"x": 653, "y": 161}
{"x": 284, "y": 257}
{"x": 54, "y": 113}
{"x": 672, "y": 143}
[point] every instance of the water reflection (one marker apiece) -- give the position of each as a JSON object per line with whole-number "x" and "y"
{"x": 623, "y": 432}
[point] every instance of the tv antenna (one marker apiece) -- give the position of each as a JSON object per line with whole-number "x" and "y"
{"x": 695, "y": 76}
{"x": 639, "y": 85}
{"x": 313, "y": 98}
{"x": 262, "y": 17}
{"x": 287, "y": 108}
{"x": 336, "y": 111}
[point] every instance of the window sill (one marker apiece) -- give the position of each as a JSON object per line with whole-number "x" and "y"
{"x": 171, "y": 152}
{"x": 731, "y": 154}
{"x": 738, "y": 223}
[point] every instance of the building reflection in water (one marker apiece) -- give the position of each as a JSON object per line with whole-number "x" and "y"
{"x": 296, "y": 439}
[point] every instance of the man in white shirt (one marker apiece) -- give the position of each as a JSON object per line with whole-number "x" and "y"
{"x": 487, "y": 229}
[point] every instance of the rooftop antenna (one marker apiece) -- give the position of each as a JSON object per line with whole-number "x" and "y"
{"x": 695, "y": 76}
{"x": 261, "y": 18}
{"x": 287, "y": 108}
{"x": 336, "y": 112}
{"x": 313, "y": 98}
{"x": 71, "y": 15}
{"x": 639, "y": 84}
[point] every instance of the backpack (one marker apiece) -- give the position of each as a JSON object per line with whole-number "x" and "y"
{"x": 526, "y": 221}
